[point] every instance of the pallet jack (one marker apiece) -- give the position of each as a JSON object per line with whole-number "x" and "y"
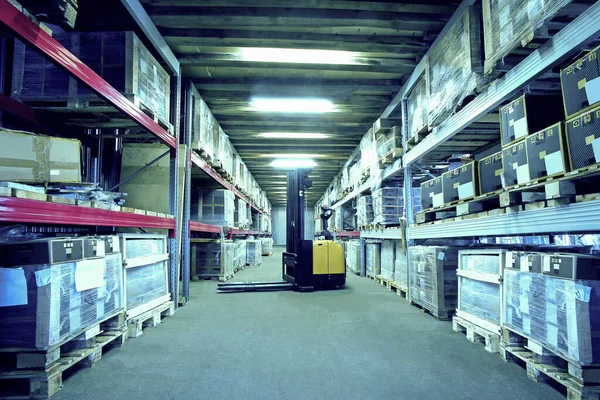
{"x": 306, "y": 265}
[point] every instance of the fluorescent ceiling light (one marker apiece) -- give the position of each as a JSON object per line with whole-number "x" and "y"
{"x": 298, "y": 56}
{"x": 294, "y": 135}
{"x": 292, "y": 155}
{"x": 291, "y": 105}
{"x": 291, "y": 163}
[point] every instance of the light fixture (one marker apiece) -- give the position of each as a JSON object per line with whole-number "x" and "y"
{"x": 292, "y": 155}
{"x": 291, "y": 105}
{"x": 293, "y": 135}
{"x": 298, "y": 56}
{"x": 291, "y": 163}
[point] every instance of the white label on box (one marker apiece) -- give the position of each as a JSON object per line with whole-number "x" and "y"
{"x": 438, "y": 199}
{"x": 523, "y": 174}
{"x": 13, "y": 287}
{"x": 592, "y": 90}
{"x": 551, "y": 313}
{"x": 527, "y": 324}
{"x": 89, "y": 274}
{"x": 43, "y": 277}
{"x": 520, "y": 128}
{"x": 596, "y": 148}
{"x": 441, "y": 256}
{"x": 554, "y": 163}
{"x": 465, "y": 190}
{"x": 545, "y": 263}
{"x": 552, "y": 335}
{"x": 54, "y": 172}
{"x": 524, "y": 304}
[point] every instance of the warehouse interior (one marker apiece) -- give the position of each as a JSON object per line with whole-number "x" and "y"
{"x": 299, "y": 199}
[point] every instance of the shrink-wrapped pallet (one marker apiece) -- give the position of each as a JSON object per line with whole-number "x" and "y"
{"x": 373, "y": 258}
{"x": 353, "y": 256}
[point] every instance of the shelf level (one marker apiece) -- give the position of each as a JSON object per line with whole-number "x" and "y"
{"x": 203, "y": 165}
{"x": 235, "y": 231}
{"x": 392, "y": 233}
{"x": 355, "y": 234}
{"x": 196, "y": 226}
{"x": 14, "y": 209}
{"x": 571, "y": 218}
{"x": 33, "y": 35}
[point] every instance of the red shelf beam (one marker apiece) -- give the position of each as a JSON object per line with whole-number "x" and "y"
{"x": 200, "y": 163}
{"x": 13, "y": 209}
{"x": 348, "y": 234}
{"x": 205, "y": 228}
{"x": 44, "y": 43}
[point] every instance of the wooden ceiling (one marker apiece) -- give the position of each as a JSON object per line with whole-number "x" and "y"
{"x": 388, "y": 38}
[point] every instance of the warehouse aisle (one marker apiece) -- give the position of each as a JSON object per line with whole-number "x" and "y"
{"x": 359, "y": 343}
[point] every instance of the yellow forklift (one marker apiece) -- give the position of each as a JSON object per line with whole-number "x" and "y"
{"x": 306, "y": 265}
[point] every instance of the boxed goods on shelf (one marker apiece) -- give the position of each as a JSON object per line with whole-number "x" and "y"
{"x": 432, "y": 193}
{"x": 388, "y": 255}
{"x": 383, "y": 124}
{"x": 241, "y": 215}
{"x": 364, "y": 211}
{"x": 41, "y": 251}
{"x": 267, "y": 246}
{"x": 213, "y": 258}
{"x": 264, "y": 223}
{"x": 528, "y": 114}
{"x": 583, "y": 139}
{"x": 354, "y": 175}
{"x": 580, "y": 84}
{"x": 203, "y": 126}
{"x": 508, "y": 25}
{"x": 480, "y": 287}
{"x": 490, "y": 173}
{"x": 253, "y": 253}
{"x": 368, "y": 155}
{"x": 373, "y": 258}
{"x": 388, "y": 205}
{"x": 120, "y": 58}
{"x": 515, "y": 165}
{"x": 460, "y": 183}
{"x": 63, "y": 12}
{"x": 401, "y": 265}
{"x": 225, "y": 154}
{"x": 46, "y": 304}
{"x": 27, "y": 157}
{"x": 388, "y": 141}
{"x": 239, "y": 254}
{"x": 454, "y": 67}
{"x": 353, "y": 256}
{"x": 433, "y": 282}
{"x": 145, "y": 260}
{"x": 545, "y": 152}
{"x": 417, "y": 106}
{"x": 216, "y": 207}
{"x": 560, "y": 314}
{"x": 571, "y": 266}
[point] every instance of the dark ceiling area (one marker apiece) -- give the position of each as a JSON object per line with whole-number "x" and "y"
{"x": 226, "y": 48}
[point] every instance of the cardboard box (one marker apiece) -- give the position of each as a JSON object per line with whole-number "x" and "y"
{"x": 490, "y": 173}
{"x": 26, "y": 157}
{"x": 583, "y": 139}
{"x": 460, "y": 183}
{"x": 571, "y": 266}
{"x": 580, "y": 83}
{"x": 546, "y": 154}
{"x": 432, "y": 193}
{"x": 515, "y": 166}
{"x": 526, "y": 115}
{"x": 41, "y": 251}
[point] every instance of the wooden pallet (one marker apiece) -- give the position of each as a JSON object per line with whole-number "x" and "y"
{"x": 440, "y": 315}
{"x": 38, "y": 374}
{"x": 225, "y": 278}
{"x": 401, "y": 291}
{"x": 477, "y": 334}
{"x": 417, "y": 137}
{"x": 389, "y": 157}
{"x": 353, "y": 272}
{"x": 371, "y": 227}
{"x": 150, "y": 318}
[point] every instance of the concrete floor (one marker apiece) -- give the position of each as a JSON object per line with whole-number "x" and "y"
{"x": 359, "y": 343}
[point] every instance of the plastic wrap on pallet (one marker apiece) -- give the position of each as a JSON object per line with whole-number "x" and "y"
{"x": 253, "y": 253}
{"x": 388, "y": 141}
{"x": 388, "y": 255}
{"x": 417, "y": 107}
{"x": 120, "y": 58}
{"x": 353, "y": 256}
{"x": 239, "y": 254}
{"x": 481, "y": 299}
{"x": 142, "y": 247}
{"x": 216, "y": 207}
{"x": 215, "y": 258}
{"x": 561, "y": 314}
{"x": 225, "y": 152}
{"x": 42, "y": 305}
{"x": 241, "y": 219}
{"x": 354, "y": 175}
{"x": 267, "y": 246}
{"x": 454, "y": 68}
{"x": 508, "y": 25}
{"x": 202, "y": 128}
{"x": 388, "y": 205}
{"x": 145, "y": 283}
{"x": 364, "y": 211}
{"x": 401, "y": 265}
{"x": 484, "y": 263}
{"x": 433, "y": 280}
{"x": 373, "y": 258}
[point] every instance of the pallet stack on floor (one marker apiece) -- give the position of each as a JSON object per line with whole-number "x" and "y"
{"x": 68, "y": 299}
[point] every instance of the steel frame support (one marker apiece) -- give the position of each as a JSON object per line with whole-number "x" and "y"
{"x": 363, "y": 257}
{"x": 173, "y": 192}
{"x": 188, "y": 115}
{"x": 408, "y": 193}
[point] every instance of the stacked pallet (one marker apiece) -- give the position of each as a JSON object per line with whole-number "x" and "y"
{"x": 352, "y": 252}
